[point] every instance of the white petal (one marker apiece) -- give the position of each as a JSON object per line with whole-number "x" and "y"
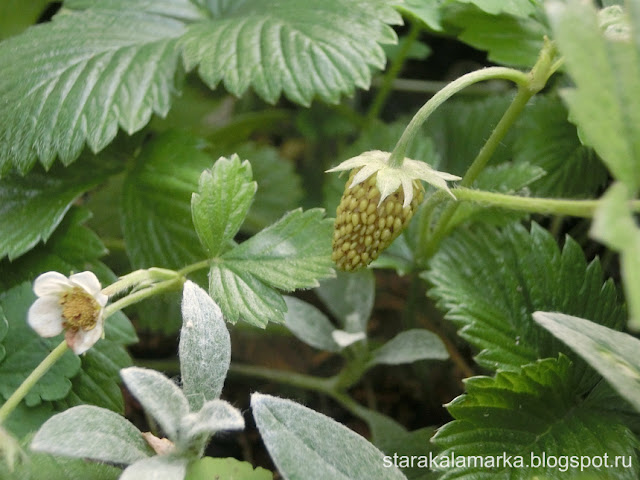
{"x": 388, "y": 182}
{"x": 364, "y": 173}
{"x": 348, "y": 164}
{"x": 88, "y": 281}
{"x": 51, "y": 283}
{"x": 82, "y": 340}
{"x": 407, "y": 187}
{"x": 45, "y": 316}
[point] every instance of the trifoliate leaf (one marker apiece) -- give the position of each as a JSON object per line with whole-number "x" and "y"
{"x": 225, "y": 193}
{"x": 291, "y": 432}
{"x": 303, "y": 50}
{"x": 613, "y": 354}
{"x": 546, "y": 139}
{"x": 156, "y": 211}
{"x": 605, "y": 103}
{"x": 32, "y": 207}
{"x": 205, "y": 347}
{"x": 292, "y": 253}
{"x": 490, "y": 282}
{"x": 75, "y": 80}
{"x": 240, "y": 295}
{"x": 509, "y": 40}
{"x": 526, "y": 415}
{"x": 25, "y": 350}
{"x": 92, "y": 432}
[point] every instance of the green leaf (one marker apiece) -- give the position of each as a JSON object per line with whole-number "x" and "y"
{"x": 508, "y": 40}
{"x": 25, "y": 350}
{"x": 16, "y": 15}
{"x": 533, "y": 412}
{"x": 310, "y": 325}
{"x": 517, "y": 8}
{"x": 292, "y": 253}
{"x": 615, "y": 226}
{"x": 490, "y": 282}
{"x": 425, "y": 11}
{"x": 613, "y": 354}
{"x": 92, "y": 432}
{"x": 76, "y": 79}
{"x": 292, "y": 432}
{"x": 182, "y": 9}
{"x": 240, "y": 295}
{"x": 302, "y": 50}
{"x": 159, "y": 396}
{"x": 207, "y": 468}
{"x": 605, "y": 103}
{"x": 32, "y": 207}
{"x": 205, "y": 347}
{"x": 60, "y": 468}
{"x": 225, "y": 193}
{"x": 279, "y": 186}
{"x": 545, "y": 138}
{"x": 156, "y": 211}
{"x": 349, "y": 297}
{"x": 408, "y": 347}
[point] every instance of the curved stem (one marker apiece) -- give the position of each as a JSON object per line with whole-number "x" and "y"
{"x": 398, "y": 154}
{"x": 137, "y": 296}
{"x": 28, "y": 383}
{"x": 549, "y": 206}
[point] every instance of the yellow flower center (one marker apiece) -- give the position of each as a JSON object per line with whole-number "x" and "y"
{"x": 79, "y": 309}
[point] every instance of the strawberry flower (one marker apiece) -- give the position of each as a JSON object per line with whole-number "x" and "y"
{"x": 74, "y": 305}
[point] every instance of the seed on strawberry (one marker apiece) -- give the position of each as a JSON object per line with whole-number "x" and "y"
{"x": 364, "y": 226}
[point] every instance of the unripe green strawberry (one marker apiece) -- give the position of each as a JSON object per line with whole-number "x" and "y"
{"x": 364, "y": 226}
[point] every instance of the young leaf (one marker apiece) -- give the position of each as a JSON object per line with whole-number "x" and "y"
{"x": 330, "y": 450}
{"x": 509, "y": 40}
{"x": 159, "y": 396}
{"x": 32, "y": 207}
{"x": 225, "y": 193}
{"x": 214, "y": 416}
{"x": 205, "y": 347}
{"x": 605, "y": 103}
{"x": 163, "y": 467}
{"x": 528, "y": 414}
{"x": 156, "y": 214}
{"x": 302, "y": 50}
{"x": 491, "y": 281}
{"x": 79, "y": 77}
{"x": 350, "y": 298}
{"x": 92, "y": 432}
{"x": 292, "y": 253}
{"x": 309, "y": 324}
{"x": 24, "y": 350}
{"x": 240, "y": 295}
{"x": 517, "y": 8}
{"x": 207, "y": 468}
{"x": 408, "y": 347}
{"x": 613, "y": 354}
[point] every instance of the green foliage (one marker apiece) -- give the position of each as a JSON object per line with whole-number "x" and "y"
{"x": 207, "y": 468}
{"x": 532, "y": 412}
{"x": 59, "y": 468}
{"x": 326, "y": 49}
{"x": 605, "y": 103}
{"x": 613, "y": 354}
{"x": 291, "y": 432}
{"x": 520, "y": 272}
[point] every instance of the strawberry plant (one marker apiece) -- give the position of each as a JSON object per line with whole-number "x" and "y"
{"x": 415, "y": 222}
